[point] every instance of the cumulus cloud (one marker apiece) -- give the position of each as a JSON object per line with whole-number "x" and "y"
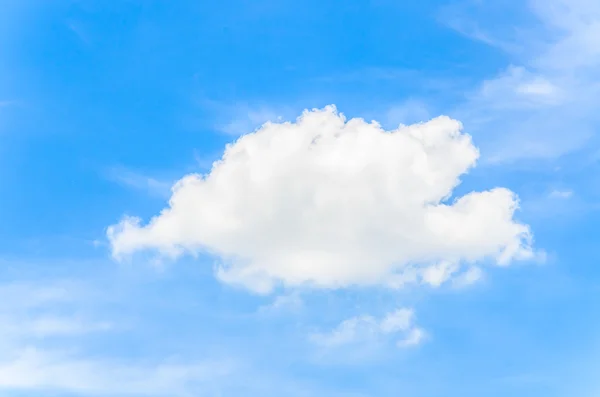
{"x": 329, "y": 202}
{"x": 360, "y": 329}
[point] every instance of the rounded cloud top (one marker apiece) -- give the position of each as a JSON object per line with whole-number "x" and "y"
{"x": 329, "y": 202}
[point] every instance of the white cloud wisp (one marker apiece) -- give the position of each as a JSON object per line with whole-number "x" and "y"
{"x": 365, "y": 328}
{"x": 543, "y": 105}
{"x": 45, "y": 353}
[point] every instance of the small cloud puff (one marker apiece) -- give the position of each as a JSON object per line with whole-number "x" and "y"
{"x": 367, "y": 328}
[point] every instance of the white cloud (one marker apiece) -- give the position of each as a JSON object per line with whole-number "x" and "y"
{"x": 518, "y": 88}
{"x": 290, "y": 301}
{"x": 332, "y": 203}
{"x": 32, "y": 369}
{"x": 538, "y": 86}
{"x": 576, "y": 27}
{"x": 556, "y": 203}
{"x": 436, "y": 275}
{"x": 545, "y": 106}
{"x": 414, "y": 337}
{"x": 28, "y": 314}
{"x": 20, "y": 296}
{"x": 139, "y": 181}
{"x": 48, "y": 325}
{"x": 42, "y": 351}
{"x": 470, "y": 276}
{"x": 399, "y": 320}
{"x": 561, "y": 194}
{"x": 366, "y": 328}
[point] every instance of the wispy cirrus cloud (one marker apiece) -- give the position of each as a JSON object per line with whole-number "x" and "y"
{"x": 44, "y": 340}
{"x": 241, "y": 117}
{"x": 543, "y": 105}
{"x": 139, "y": 181}
{"x": 38, "y": 370}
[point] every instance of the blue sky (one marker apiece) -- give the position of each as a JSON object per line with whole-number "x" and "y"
{"x": 344, "y": 267}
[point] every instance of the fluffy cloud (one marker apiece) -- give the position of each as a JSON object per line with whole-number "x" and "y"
{"x": 365, "y": 328}
{"x": 330, "y": 202}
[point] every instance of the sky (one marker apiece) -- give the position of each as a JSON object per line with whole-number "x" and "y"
{"x": 367, "y": 198}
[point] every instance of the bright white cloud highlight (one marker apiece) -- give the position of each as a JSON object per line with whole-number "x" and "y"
{"x": 361, "y": 329}
{"x": 330, "y": 202}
